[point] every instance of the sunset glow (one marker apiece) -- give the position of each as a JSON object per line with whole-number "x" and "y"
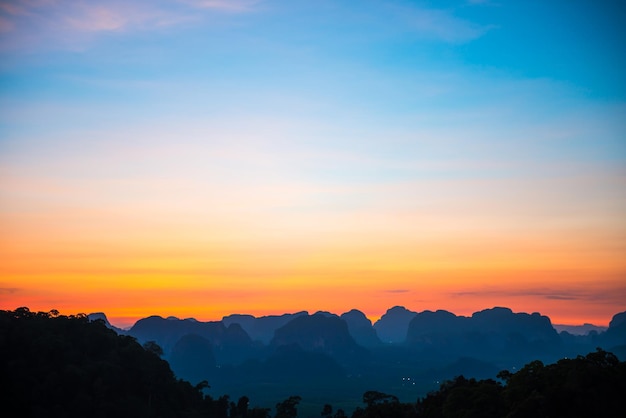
{"x": 198, "y": 159}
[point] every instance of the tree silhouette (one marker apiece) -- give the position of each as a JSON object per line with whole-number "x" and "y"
{"x": 154, "y": 348}
{"x": 372, "y": 398}
{"x": 287, "y": 408}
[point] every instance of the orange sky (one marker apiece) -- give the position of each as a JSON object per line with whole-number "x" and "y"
{"x": 143, "y": 267}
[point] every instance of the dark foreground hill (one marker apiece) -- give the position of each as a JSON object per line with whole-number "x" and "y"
{"x": 67, "y": 366}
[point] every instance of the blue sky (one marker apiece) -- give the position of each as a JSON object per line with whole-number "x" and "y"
{"x": 413, "y": 123}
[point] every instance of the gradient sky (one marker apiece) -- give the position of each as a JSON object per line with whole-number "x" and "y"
{"x": 206, "y": 157}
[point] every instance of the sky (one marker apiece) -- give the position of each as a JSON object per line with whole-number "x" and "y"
{"x": 197, "y": 158}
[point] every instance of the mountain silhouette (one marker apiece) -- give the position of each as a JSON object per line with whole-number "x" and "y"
{"x": 393, "y": 325}
{"x": 495, "y": 334}
{"x": 428, "y": 324}
{"x": 262, "y": 328}
{"x": 230, "y": 344}
{"x": 100, "y": 316}
{"x": 293, "y": 363}
{"x": 615, "y": 336}
{"x": 192, "y": 358}
{"x": 617, "y": 326}
{"x": 360, "y": 328}
{"x": 321, "y": 333}
{"x": 503, "y": 321}
{"x": 583, "y": 329}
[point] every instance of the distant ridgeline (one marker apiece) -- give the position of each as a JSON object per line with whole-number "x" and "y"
{"x": 407, "y": 364}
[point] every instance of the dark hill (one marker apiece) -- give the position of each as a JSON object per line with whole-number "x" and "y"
{"x": 60, "y": 366}
{"x": 618, "y": 320}
{"x": 533, "y": 326}
{"x": 230, "y": 344}
{"x": 192, "y": 359}
{"x": 321, "y": 333}
{"x": 361, "y": 329}
{"x": 261, "y": 329}
{"x": 492, "y": 334}
{"x": 439, "y": 323}
{"x": 614, "y": 338}
{"x": 292, "y": 363}
{"x": 393, "y": 325}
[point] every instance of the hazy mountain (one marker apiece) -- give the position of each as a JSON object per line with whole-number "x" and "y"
{"x": 393, "y": 325}
{"x": 100, "y": 316}
{"x": 360, "y": 328}
{"x": 503, "y": 321}
{"x": 230, "y": 344}
{"x": 428, "y": 324}
{"x": 262, "y": 328}
{"x": 192, "y": 358}
{"x": 615, "y": 336}
{"x": 495, "y": 334}
{"x": 618, "y": 321}
{"x": 321, "y": 333}
{"x": 292, "y": 362}
{"x": 583, "y": 329}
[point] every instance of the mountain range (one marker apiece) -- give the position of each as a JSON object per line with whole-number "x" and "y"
{"x": 336, "y": 357}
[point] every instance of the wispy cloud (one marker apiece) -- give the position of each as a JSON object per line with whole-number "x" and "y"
{"x": 442, "y": 25}
{"x": 5, "y": 25}
{"x": 603, "y": 292}
{"x": 38, "y": 22}
{"x": 224, "y": 5}
{"x": 97, "y": 18}
{"x": 31, "y": 23}
{"x": 8, "y": 290}
{"x": 433, "y": 24}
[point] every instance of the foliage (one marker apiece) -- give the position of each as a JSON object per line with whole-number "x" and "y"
{"x": 591, "y": 385}
{"x": 287, "y": 408}
{"x": 153, "y": 347}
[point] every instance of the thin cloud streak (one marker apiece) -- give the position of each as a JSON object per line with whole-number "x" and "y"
{"x": 35, "y": 24}
{"x": 443, "y": 26}
{"x": 601, "y": 292}
{"x": 224, "y": 5}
